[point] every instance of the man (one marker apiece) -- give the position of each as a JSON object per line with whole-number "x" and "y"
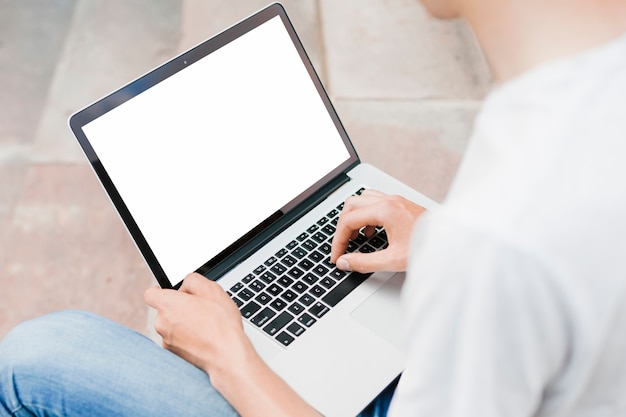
{"x": 515, "y": 289}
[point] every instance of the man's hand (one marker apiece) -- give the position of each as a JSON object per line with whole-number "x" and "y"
{"x": 373, "y": 208}
{"x": 201, "y": 324}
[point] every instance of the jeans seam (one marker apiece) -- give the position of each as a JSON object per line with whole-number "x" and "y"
{"x": 17, "y": 412}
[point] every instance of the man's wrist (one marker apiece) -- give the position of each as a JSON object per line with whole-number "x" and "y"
{"x": 234, "y": 366}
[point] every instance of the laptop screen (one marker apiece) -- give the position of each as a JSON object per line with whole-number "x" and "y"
{"x": 210, "y": 152}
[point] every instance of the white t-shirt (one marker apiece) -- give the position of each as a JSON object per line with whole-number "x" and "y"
{"x": 516, "y": 295}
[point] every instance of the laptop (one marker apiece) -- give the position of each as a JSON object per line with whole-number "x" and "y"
{"x": 230, "y": 160}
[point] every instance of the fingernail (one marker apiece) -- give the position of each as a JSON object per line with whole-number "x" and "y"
{"x": 343, "y": 264}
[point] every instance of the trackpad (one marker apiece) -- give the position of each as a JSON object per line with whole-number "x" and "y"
{"x": 382, "y": 313}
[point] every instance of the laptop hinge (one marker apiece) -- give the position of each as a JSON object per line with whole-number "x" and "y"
{"x": 322, "y": 194}
{"x": 279, "y": 222}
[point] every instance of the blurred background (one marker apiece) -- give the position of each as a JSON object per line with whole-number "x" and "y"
{"x": 406, "y": 86}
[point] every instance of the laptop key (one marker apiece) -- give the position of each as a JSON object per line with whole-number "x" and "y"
{"x": 328, "y": 229}
{"x": 305, "y": 264}
{"x": 248, "y": 310}
{"x": 327, "y": 263}
{"x": 317, "y": 291}
{"x": 278, "y": 323}
{"x": 289, "y": 260}
{"x": 274, "y": 289}
{"x": 352, "y": 246}
{"x": 306, "y": 299}
{"x": 377, "y": 242}
{"x": 278, "y": 304}
{"x": 285, "y": 339}
{"x": 319, "y": 237}
{"x": 263, "y": 298}
{"x": 257, "y": 285}
{"x": 310, "y": 279}
{"x": 299, "y": 287}
{"x": 344, "y": 288}
{"x": 295, "y": 272}
{"x": 263, "y": 317}
{"x": 285, "y": 281}
{"x": 309, "y": 245}
{"x": 318, "y": 309}
{"x": 325, "y": 248}
{"x": 320, "y": 270}
{"x": 322, "y": 221}
{"x": 328, "y": 282}
{"x": 360, "y": 239}
{"x": 296, "y": 308}
{"x": 278, "y": 269}
{"x": 307, "y": 320}
{"x": 337, "y": 274}
{"x": 295, "y": 329}
{"x": 315, "y": 256}
{"x": 299, "y": 253}
{"x": 289, "y": 296}
{"x": 367, "y": 248}
{"x": 246, "y": 294}
{"x": 267, "y": 277}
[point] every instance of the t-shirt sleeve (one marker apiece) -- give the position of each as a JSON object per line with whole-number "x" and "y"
{"x": 485, "y": 331}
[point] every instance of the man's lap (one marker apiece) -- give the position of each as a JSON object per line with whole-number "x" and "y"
{"x": 79, "y": 364}
{"x": 76, "y": 363}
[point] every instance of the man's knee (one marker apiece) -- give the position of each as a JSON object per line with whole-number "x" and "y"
{"x": 31, "y": 355}
{"x": 44, "y": 340}
{"x": 40, "y": 359}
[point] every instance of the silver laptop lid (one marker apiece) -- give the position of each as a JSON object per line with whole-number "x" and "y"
{"x": 210, "y": 154}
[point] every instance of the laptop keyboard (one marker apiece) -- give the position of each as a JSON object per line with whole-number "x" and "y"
{"x": 293, "y": 289}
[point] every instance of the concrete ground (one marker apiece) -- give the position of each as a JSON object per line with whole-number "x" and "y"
{"x": 407, "y": 88}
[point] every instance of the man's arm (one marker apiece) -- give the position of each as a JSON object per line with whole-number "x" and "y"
{"x": 486, "y": 325}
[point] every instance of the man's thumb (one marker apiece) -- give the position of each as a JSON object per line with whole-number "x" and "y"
{"x": 361, "y": 262}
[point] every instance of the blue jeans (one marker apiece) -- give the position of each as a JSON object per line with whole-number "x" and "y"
{"x": 79, "y": 364}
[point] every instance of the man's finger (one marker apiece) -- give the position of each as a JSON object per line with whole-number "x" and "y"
{"x": 155, "y": 296}
{"x": 195, "y": 284}
{"x": 366, "y": 262}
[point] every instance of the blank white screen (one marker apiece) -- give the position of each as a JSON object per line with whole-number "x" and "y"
{"x": 209, "y": 153}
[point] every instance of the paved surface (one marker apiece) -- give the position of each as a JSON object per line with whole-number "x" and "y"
{"x": 406, "y": 86}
